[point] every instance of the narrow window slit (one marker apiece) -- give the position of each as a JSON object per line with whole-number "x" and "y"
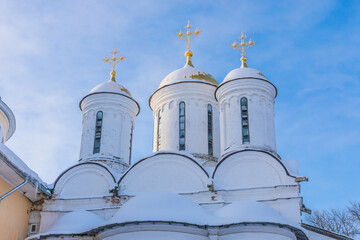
{"x": 181, "y": 126}
{"x": 158, "y": 143}
{"x": 98, "y": 129}
{"x": 210, "y": 129}
{"x": 245, "y": 120}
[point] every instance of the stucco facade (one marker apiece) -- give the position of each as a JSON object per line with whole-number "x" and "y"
{"x": 14, "y": 213}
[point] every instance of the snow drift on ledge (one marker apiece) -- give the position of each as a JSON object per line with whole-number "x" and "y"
{"x": 164, "y": 206}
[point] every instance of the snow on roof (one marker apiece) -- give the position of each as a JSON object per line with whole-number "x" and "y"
{"x": 161, "y": 206}
{"x": 20, "y": 165}
{"x": 248, "y": 211}
{"x": 111, "y": 87}
{"x": 244, "y": 73}
{"x": 167, "y": 207}
{"x": 116, "y": 173}
{"x": 78, "y": 221}
{"x": 184, "y": 153}
{"x": 188, "y": 74}
{"x": 96, "y": 161}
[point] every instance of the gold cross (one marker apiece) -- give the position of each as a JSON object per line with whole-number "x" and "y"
{"x": 189, "y": 35}
{"x": 113, "y": 61}
{"x": 243, "y": 45}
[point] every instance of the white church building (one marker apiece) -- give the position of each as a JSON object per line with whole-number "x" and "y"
{"x": 214, "y": 173}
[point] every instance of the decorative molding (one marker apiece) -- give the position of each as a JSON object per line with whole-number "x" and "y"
{"x": 10, "y": 117}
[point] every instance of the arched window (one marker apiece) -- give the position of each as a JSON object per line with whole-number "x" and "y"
{"x": 131, "y": 138}
{"x": 245, "y": 120}
{"x": 98, "y": 128}
{"x": 210, "y": 129}
{"x": 158, "y": 132}
{"x": 181, "y": 126}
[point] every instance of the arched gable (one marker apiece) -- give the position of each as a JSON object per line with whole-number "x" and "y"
{"x": 165, "y": 171}
{"x": 84, "y": 180}
{"x": 251, "y": 168}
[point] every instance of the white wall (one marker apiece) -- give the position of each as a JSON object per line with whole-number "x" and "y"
{"x": 196, "y": 97}
{"x": 167, "y": 173}
{"x": 261, "y": 99}
{"x": 256, "y": 231}
{"x": 85, "y": 180}
{"x": 119, "y": 114}
{"x": 248, "y": 169}
{"x": 165, "y": 231}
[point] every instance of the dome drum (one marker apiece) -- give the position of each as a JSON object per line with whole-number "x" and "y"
{"x": 112, "y": 134}
{"x": 246, "y": 111}
{"x": 196, "y": 98}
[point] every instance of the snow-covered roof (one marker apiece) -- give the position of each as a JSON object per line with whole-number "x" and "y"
{"x": 20, "y": 165}
{"x": 264, "y": 150}
{"x": 169, "y": 207}
{"x": 78, "y": 221}
{"x": 248, "y": 211}
{"x": 244, "y": 72}
{"x": 161, "y": 206}
{"x": 111, "y": 87}
{"x": 182, "y": 153}
{"x": 164, "y": 206}
{"x": 188, "y": 74}
{"x": 98, "y": 160}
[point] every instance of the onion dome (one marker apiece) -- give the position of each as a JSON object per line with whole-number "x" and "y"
{"x": 244, "y": 72}
{"x": 188, "y": 74}
{"x": 111, "y": 86}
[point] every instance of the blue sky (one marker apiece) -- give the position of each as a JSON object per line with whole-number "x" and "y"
{"x": 51, "y": 55}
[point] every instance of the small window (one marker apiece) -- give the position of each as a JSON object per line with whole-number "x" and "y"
{"x": 245, "y": 120}
{"x": 33, "y": 228}
{"x": 98, "y": 128}
{"x": 181, "y": 126}
{"x": 210, "y": 129}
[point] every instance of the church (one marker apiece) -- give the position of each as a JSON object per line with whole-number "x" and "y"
{"x": 214, "y": 173}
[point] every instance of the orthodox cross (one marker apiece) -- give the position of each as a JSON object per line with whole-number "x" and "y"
{"x": 113, "y": 61}
{"x": 188, "y": 35}
{"x": 242, "y": 45}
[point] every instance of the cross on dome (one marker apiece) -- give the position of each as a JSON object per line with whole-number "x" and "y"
{"x": 242, "y": 45}
{"x": 189, "y": 35}
{"x": 113, "y": 61}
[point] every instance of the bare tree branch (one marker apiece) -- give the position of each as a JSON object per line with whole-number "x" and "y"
{"x": 354, "y": 210}
{"x": 346, "y": 222}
